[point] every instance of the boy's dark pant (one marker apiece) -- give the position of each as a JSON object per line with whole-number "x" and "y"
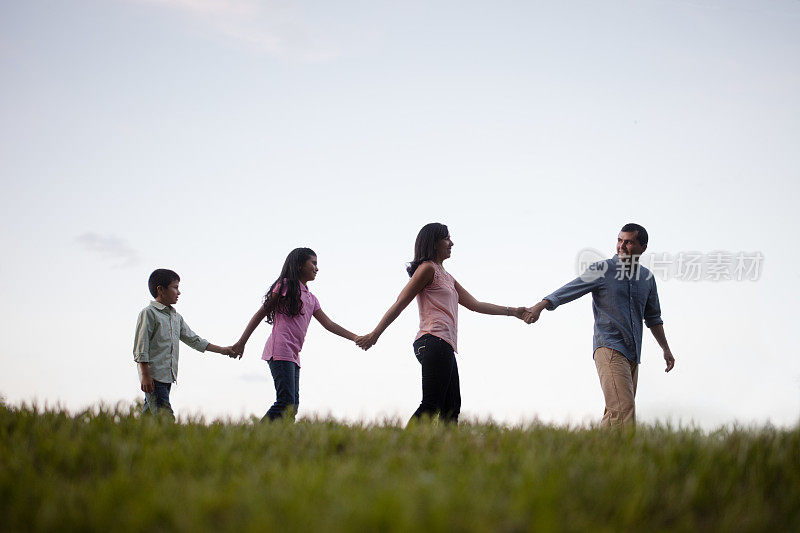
{"x": 157, "y": 402}
{"x": 441, "y": 391}
{"x": 286, "y": 375}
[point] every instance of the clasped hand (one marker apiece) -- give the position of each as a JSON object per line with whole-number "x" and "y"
{"x": 532, "y": 313}
{"x": 235, "y": 351}
{"x": 365, "y": 342}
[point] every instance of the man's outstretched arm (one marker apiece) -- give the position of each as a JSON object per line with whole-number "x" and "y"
{"x": 589, "y": 281}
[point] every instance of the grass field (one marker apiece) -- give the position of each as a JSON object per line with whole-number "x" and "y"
{"x": 109, "y": 469}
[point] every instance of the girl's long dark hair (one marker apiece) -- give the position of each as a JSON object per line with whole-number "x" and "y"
{"x": 289, "y": 280}
{"x": 425, "y": 246}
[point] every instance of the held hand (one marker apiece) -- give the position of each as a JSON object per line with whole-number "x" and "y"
{"x": 238, "y": 349}
{"x": 518, "y": 312}
{"x": 670, "y": 360}
{"x": 531, "y": 314}
{"x": 362, "y": 341}
{"x": 230, "y": 352}
{"x": 147, "y": 384}
{"x": 365, "y": 342}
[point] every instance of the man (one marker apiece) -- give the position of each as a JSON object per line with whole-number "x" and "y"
{"x": 623, "y": 296}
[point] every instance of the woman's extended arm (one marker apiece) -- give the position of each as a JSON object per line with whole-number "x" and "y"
{"x": 469, "y": 301}
{"x": 421, "y": 278}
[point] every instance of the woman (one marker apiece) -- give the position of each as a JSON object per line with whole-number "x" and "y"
{"x": 438, "y": 295}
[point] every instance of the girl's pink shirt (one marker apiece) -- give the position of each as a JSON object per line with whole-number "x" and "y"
{"x": 438, "y": 307}
{"x": 289, "y": 332}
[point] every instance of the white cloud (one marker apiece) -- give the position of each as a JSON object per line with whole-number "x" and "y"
{"x": 110, "y": 247}
{"x": 272, "y": 26}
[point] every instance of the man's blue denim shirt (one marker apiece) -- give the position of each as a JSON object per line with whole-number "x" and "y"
{"x": 621, "y": 301}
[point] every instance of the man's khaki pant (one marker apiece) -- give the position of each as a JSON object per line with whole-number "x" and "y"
{"x": 618, "y": 377}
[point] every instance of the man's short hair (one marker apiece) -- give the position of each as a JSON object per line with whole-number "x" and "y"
{"x": 641, "y": 233}
{"x": 161, "y": 277}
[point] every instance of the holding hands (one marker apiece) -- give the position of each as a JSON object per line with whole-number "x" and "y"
{"x": 518, "y": 312}
{"x": 231, "y": 352}
{"x": 224, "y": 350}
{"x": 365, "y": 342}
{"x": 238, "y": 350}
{"x": 532, "y": 313}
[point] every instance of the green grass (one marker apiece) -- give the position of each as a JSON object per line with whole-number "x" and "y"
{"x": 108, "y": 468}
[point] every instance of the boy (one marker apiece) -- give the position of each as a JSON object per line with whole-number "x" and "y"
{"x": 155, "y": 346}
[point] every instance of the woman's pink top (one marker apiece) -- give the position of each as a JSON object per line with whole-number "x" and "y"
{"x": 289, "y": 332}
{"x": 438, "y": 307}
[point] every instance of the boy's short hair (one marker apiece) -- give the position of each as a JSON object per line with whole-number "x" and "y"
{"x": 161, "y": 277}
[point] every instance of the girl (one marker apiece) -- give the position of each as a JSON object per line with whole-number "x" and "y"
{"x": 438, "y": 295}
{"x": 289, "y": 306}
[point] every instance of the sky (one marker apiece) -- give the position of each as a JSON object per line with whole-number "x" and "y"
{"x": 213, "y": 137}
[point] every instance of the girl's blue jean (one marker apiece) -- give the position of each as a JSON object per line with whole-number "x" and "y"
{"x": 286, "y": 375}
{"x": 441, "y": 390}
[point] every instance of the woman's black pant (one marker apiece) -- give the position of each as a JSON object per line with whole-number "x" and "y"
{"x": 441, "y": 392}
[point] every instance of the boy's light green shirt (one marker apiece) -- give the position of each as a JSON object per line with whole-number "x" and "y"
{"x": 158, "y": 331}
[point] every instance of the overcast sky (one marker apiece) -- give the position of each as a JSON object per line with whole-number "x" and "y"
{"x": 213, "y": 137}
